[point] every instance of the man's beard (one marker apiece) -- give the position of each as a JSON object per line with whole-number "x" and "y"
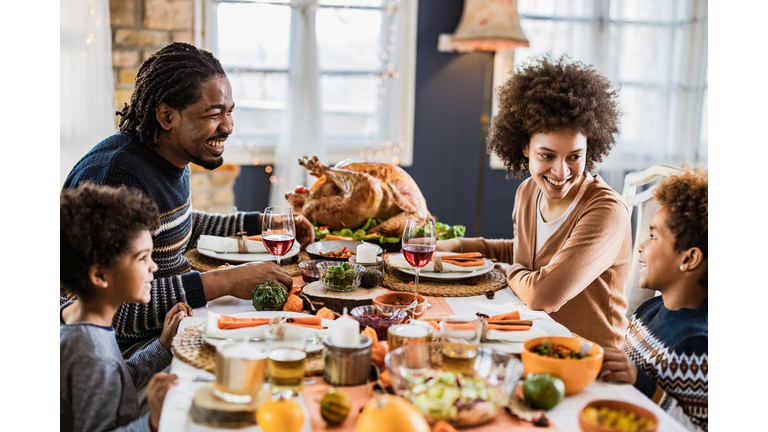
{"x": 210, "y": 164}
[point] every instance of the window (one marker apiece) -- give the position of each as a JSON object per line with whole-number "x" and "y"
{"x": 366, "y": 59}
{"x": 655, "y": 50}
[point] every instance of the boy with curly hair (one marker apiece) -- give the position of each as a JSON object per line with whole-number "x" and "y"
{"x": 106, "y": 261}
{"x": 572, "y": 247}
{"x": 665, "y": 354}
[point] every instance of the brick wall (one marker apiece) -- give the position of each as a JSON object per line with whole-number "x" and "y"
{"x": 140, "y": 28}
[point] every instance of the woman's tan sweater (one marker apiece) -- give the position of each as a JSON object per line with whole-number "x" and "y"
{"x": 579, "y": 275}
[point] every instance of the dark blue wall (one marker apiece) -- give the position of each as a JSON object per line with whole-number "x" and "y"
{"x": 449, "y": 102}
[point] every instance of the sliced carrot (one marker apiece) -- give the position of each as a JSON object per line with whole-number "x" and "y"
{"x": 334, "y": 237}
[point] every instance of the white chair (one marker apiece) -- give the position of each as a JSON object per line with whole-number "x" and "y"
{"x": 646, "y": 208}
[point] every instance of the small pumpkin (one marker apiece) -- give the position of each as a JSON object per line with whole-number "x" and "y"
{"x": 371, "y": 279}
{"x": 388, "y": 413}
{"x": 268, "y": 296}
{"x": 443, "y": 426}
{"x": 325, "y": 313}
{"x": 280, "y": 415}
{"x": 335, "y": 406}
{"x": 371, "y": 333}
{"x": 386, "y": 379}
{"x": 293, "y": 304}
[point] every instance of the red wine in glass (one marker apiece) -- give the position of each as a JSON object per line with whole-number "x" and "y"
{"x": 278, "y": 231}
{"x": 418, "y": 256}
{"x": 278, "y": 244}
{"x": 419, "y": 242}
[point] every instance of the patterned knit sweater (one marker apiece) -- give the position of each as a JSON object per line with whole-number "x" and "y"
{"x": 122, "y": 159}
{"x": 670, "y": 350}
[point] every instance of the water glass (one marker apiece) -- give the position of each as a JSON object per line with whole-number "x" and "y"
{"x": 461, "y": 331}
{"x": 239, "y": 371}
{"x": 408, "y": 334}
{"x": 286, "y": 368}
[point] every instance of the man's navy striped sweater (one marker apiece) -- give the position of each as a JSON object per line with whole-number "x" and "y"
{"x": 122, "y": 160}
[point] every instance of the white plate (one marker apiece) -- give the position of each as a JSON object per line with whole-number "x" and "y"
{"x": 261, "y": 314}
{"x": 249, "y": 257}
{"x": 451, "y": 275}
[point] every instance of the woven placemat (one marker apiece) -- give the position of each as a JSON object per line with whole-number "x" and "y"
{"x": 494, "y": 280}
{"x": 191, "y": 348}
{"x": 202, "y": 263}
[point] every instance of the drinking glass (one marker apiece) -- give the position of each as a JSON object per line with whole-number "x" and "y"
{"x": 286, "y": 369}
{"x": 240, "y": 371}
{"x": 278, "y": 231}
{"x": 419, "y": 242}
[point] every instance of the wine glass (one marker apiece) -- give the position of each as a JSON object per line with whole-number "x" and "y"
{"x": 278, "y": 231}
{"x": 419, "y": 242}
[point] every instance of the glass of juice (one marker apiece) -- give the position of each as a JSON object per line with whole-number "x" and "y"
{"x": 239, "y": 371}
{"x": 407, "y": 334}
{"x": 286, "y": 369}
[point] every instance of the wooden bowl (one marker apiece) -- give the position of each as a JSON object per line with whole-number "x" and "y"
{"x": 588, "y": 426}
{"x": 389, "y": 298}
{"x": 575, "y": 373}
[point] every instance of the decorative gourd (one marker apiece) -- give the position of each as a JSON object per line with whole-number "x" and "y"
{"x": 387, "y": 413}
{"x": 325, "y": 313}
{"x": 280, "y": 415}
{"x": 371, "y": 279}
{"x": 268, "y": 296}
{"x": 293, "y": 304}
{"x": 335, "y": 406}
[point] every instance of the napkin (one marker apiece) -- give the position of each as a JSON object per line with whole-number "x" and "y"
{"x": 398, "y": 261}
{"x": 213, "y": 331}
{"x": 228, "y": 245}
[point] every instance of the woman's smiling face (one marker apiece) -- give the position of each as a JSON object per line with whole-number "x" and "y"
{"x": 556, "y": 160}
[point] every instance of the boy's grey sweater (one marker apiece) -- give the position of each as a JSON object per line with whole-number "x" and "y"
{"x": 98, "y": 387}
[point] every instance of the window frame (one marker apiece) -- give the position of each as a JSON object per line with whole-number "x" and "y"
{"x": 399, "y": 98}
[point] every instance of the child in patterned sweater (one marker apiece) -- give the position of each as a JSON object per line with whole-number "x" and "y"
{"x": 665, "y": 353}
{"x": 106, "y": 260}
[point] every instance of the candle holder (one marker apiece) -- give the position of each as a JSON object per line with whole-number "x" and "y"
{"x": 377, "y": 265}
{"x": 347, "y": 366}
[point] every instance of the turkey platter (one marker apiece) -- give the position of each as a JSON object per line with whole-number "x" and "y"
{"x": 347, "y": 194}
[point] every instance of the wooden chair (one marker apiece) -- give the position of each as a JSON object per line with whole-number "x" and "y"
{"x": 646, "y": 208}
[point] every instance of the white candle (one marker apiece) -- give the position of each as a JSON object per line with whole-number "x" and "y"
{"x": 345, "y": 332}
{"x": 366, "y": 253}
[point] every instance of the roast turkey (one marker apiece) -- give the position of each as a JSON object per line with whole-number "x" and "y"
{"x": 347, "y": 194}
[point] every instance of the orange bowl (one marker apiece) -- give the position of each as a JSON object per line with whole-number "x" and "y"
{"x": 587, "y": 425}
{"x": 389, "y": 298}
{"x": 576, "y": 374}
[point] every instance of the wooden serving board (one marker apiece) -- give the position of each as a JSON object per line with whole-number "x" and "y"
{"x": 208, "y": 410}
{"x": 337, "y": 300}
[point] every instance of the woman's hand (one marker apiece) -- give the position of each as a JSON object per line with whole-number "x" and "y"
{"x": 621, "y": 367}
{"x": 171, "y": 324}
{"x": 452, "y": 245}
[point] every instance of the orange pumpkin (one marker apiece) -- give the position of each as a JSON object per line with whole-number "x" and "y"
{"x": 386, "y": 379}
{"x": 325, "y": 313}
{"x": 293, "y": 304}
{"x": 377, "y": 357}
{"x": 443, "y": 426}
{"x": 388, "y": 413}
{"x": 371, "y": 333}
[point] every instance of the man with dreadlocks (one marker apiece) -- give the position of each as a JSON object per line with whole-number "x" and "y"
{"x": 180, "y": 112}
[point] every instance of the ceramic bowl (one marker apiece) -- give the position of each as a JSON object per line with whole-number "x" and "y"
{"x": 379, "y": 318}
{"x": 405, "y": 299}
{"x": 464, "y": 392}
{"x": 587, "y": 425}
{"x": 575, "y": 373}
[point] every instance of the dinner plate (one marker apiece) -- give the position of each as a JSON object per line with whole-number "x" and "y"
{"x": 450, "y": 275}
{"x": 260, "y": 314}
{"x": 248, "y": 257}
{"x": 316, "y": 249}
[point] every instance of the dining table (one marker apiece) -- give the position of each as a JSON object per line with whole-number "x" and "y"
{"x": 564, "y": 417}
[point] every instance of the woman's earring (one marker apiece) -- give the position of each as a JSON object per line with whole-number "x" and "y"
{"x": 682, "y": 268}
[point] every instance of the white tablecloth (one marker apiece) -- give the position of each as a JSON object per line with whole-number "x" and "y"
{"x": 565, "y": 415}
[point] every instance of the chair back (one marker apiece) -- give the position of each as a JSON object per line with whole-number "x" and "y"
{"x": 646, "y": 208}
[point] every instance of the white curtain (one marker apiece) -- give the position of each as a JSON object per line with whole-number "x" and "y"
{"x": 302, "y": 133}
{"x": 87, "y": 86}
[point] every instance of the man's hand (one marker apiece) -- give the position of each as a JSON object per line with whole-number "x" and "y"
{"x": 452, "y": 245}
{"x": 171, "y": 324}
{"x": 305, "y": 232}
{"x": 621, "y": 367}
{"x": 156, "y": 389}
{"x": 239, "y": 281}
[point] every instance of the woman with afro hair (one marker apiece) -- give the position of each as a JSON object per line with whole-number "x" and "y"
{"x": 570, "y": 256}
{"x": 665, "y": 355}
